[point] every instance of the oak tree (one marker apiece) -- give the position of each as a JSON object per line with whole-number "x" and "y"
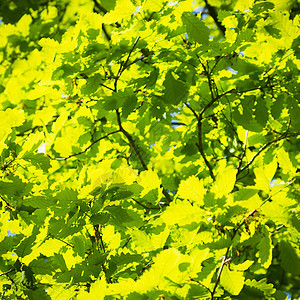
{"x": 149, "y": 149}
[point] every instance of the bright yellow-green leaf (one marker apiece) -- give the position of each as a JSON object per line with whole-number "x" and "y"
{"x": 285, "y": 162}
{"x": 97, "y": 291}
{"x": 149, "y": 181}
{"x": 232, "y": 281}
{"x": 261, "y": 180}
{"x": 59, "y": 291}
{"x": 32, "y": 143}
{"x": 226, "y": 179}
{"x": 192, "y": 189}
{"x": 182, "y": 213}
{"x": 164, "y": 270}
{"x": 123, "y": 10}
{"x": 145, "y": 242}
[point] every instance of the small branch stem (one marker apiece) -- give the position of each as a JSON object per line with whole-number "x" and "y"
{"x": 7, "y": 204}
{"x": 124, "y": 65}
{"x": 265, "y": 146}
{"x": 131, "y": 141}
{"x": 132, "y": 144}
{"x": 145, "y": 206}
{"x": 219, "y": 274}
{"x": 200, "y": 147}
{"x": 7, "y": 272}
{"x": 87, "y": 148}
{"x": 244, "y": 151}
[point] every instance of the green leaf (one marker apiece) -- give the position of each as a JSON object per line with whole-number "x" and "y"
{"x": 92, "y": 84}
{"x": 25, "y": 247}
{"x": 232, "y": 281}
{"x": 262, "y": 285}
{"x": 175, "y": 90}
{"x": 129, "y": 104}
{"x": 289, "y": 258}
{"x": 192, "y": 189}
{"x": 265, "y": 248}
{"x": 37, "y": 294}
{"x": 79, "y": 245}
{"x": 42, "y": 266}
{"x": 39, "y": 160}
{"x": 261, "y": 113}
{"x": 195, "y": 28}
{"x": 101, "y": 218}
{"x": 182, "y": 213}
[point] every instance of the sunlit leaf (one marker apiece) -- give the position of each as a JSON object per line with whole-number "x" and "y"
{"x": 226, "y": 179}
{"x": 232, "y": 281}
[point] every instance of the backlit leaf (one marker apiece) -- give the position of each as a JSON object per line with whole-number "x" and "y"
{"x": 195, "y": 28}
{"x": 232, "y": 281}
{"x": 175, "y": 90}
{"x": 265, "y": 248}
{"x": 226, "y": 179}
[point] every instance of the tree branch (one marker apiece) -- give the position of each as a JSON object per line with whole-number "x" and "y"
{"x": 7, "y": 204}
{"x": 106, "y": 33}
{"x": 7, "y": 272}
{"x": 213, "y": 13}
{"x": 132, "y": 144}
{"x": 145, "y": 206}
{"x": 193, "y": 280}
{"x": 100, "y": 7}
{"x": 131, "y": 141}
{"x": 200, "y": 118}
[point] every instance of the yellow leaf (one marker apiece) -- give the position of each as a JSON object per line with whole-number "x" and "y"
{"x": 226, "y": 179}
{"x": 232, "y": 281}
{"x": 182, "y": 213}
{"x": 192, "y": 189}
{"x": 8, "y": 119}
{"x": 124, "y": 9}
{"x": 149, "y": 181}
{"x": 97, "y": 291}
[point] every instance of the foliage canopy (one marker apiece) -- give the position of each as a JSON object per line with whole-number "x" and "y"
{"x": 148, "y": 152}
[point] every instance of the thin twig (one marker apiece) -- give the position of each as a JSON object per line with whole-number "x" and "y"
{"x": 131, "y": 141}
{"x": 98, "y": 237}
{"x": 100, "y": 7}
{"x": 265, "y": 146}
{"x": 124, "y": 65}
{"x": 145, "y": 206}
{"x": 7, "y": 272}
{"x": 108, "y": 37}
{"x": 200, "y": 118}
{"x": 107, "y": 87}
{"x": 62, "y": 241}
{"x": 219, "y": 274}
{"x": 87, "y": 148}
{"x": 244, "y": 151}
{"x": 193, "y": 280}
{"x": 235, "y": 91}
{"x": 200, "y": 147}
{"x": 192, "y": 110}
{"x": 7, "y": 204}
{"x": 213, "y": 13}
